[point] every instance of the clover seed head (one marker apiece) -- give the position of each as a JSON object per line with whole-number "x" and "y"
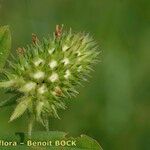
{"x": 49, "y": 71}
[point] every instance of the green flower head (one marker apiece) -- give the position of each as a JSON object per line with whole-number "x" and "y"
{"x": 49, "y": 71}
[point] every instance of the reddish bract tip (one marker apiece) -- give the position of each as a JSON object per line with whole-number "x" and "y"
{"x": 58, "y": 31}
{"x": 20, "y": 51}
{"x": 35, "y": 39}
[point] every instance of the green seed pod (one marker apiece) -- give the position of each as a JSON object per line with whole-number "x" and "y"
{"x": 50, "y": 71}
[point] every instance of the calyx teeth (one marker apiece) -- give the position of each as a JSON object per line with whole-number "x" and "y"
{"x": 51, "y": 50}
{"x": 53, "y": 64}
{"x": 53, "y": 77}
{"x": 42, "y": 89}
{"x": 28, "y": 87}
{"x": 65, "y": 61}
{"x": 64, "y": 48}
{"x": 39, "y": 75}
{"x": 67, "y": 74}
{"x": 38, "y": 62}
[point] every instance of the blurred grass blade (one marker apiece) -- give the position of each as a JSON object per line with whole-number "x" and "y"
{"x": 5, "y": 44}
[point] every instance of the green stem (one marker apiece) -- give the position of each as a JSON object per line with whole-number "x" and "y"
{"x": 47, "y": 124}
{"x": 30, "y": 125}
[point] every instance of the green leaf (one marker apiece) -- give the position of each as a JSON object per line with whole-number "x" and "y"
{"x": 80, "y": 143}
{"x": 20, "y": 108}
{"x": 5, "y": 44}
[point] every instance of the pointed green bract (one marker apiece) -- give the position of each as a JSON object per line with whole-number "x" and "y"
{"x": 5, "y": 44}
{"x": 21, "y": 108}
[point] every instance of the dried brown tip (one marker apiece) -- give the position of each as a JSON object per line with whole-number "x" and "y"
{"x": 58, "y": 31}
{"x": 35, "y": 39}
{"x": 58, "y": 91}
{"x": 20, "y": 51}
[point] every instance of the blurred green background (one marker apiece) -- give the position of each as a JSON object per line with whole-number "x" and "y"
{"x": 114, "y": 107}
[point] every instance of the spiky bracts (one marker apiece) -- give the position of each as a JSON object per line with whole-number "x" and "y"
{"x": 49, "y": 71}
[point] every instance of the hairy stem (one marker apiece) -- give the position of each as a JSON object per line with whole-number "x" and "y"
{"x": 47, "y": 124}
{"x": 30, "y": 125}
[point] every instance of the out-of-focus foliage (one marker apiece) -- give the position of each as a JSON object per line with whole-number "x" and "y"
{"x": 5, "y": 44}
{"x": 114, "y": 106}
